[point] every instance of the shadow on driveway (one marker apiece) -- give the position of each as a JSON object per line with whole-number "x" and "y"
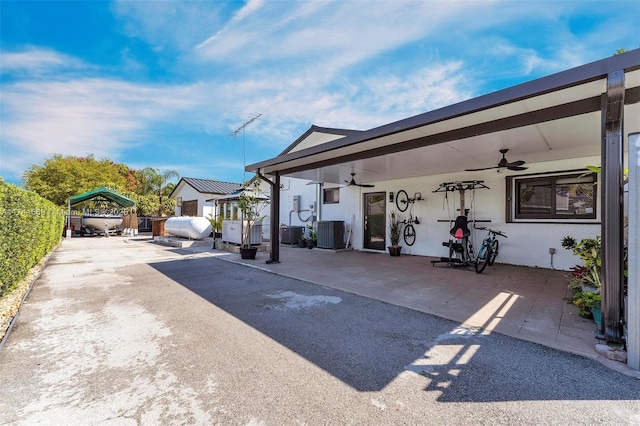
{"x": 367, "y": 344}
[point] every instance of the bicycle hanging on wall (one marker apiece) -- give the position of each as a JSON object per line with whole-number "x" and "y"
{"x": 403, "y": 202}
{"x": 460, "y": 250}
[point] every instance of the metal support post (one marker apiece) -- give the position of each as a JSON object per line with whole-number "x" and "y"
{"x": 612, "y": 203}
{"x": 633, "y": 289}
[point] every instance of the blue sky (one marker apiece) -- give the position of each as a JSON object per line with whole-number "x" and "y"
{"x": 163, "y": 83}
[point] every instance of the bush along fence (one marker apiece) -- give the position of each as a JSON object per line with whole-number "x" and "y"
{"x": 30, "y": 227}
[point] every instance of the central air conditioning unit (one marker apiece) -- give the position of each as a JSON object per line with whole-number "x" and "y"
{"x": 331, "y": 234}
{"x": 290, "y": 234}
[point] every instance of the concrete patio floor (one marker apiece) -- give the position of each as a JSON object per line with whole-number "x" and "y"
{"x": 521, "y": 302}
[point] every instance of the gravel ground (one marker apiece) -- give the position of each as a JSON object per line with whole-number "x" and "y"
{"x": 10, "y": 302}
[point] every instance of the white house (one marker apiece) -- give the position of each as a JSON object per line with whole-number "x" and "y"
{"x": 191, "y": 195}
{"x": 515, "y": 158}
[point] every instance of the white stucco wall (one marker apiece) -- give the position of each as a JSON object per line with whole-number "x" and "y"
{"x": 188, "y": 193}
{"x": 308, "y": 195}
{"x": 527, "y": 243}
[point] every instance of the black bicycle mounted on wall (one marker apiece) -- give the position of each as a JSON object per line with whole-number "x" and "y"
{"x": 403, "y": 202}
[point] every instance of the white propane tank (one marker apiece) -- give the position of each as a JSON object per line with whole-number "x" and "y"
{"x": 194, "y": 227}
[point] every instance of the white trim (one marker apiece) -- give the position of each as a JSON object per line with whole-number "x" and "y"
{"x": 633, "y": 289}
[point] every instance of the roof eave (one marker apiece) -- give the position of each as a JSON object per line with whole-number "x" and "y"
{"x": 628, "y": 61}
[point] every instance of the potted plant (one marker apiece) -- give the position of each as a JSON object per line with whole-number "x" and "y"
{"x": 576, "y": 278}
{"x": 595, "y": 305}
{"x": 302, "y": 241}
{"x": 250, "y": 205}
{"x": 216, "y": 225}
{"x": 585, "y": 279}
{"x": 312, "y": 237}
{"x": 588, "y": 249}
{"x": 585, "y": 301}
{"x": 395, "y": 229}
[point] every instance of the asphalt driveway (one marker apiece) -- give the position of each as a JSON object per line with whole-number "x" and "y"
{"x": 123, "y": 331}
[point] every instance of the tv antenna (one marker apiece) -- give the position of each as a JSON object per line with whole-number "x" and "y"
{"x": 234, "y": 134}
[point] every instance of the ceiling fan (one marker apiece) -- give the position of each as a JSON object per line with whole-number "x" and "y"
{"x": 353, "y": 182}
{"x": 503, "y": 163}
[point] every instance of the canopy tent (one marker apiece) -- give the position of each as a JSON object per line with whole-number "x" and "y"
{"x": 104, "y": 193}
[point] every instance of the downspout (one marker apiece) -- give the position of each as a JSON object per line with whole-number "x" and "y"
{"x": 319, "y": 200}
{"x": 274, "y": 218}
{"x": 612, "y": 212}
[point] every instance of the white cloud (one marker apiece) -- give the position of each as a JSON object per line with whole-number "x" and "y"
{"x": 333, "y": 33}
{"x": 350, "y": 64}
{"x": 37, "y": 61}
{"x": 167, "y": 25}
{"x": 84, "y": 116}
{"x": 102, "y": 116}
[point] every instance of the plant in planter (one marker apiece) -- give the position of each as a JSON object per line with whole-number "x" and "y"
{"x": 589, "y": 274}
{"x": 395, "y": 230}
{"x": 585, "y": 279}
{"x": 251, "y": 202}
{"x": 302, "y": 241}
{"x": 312, "y": 237}
{"x": 216, "y": 225}
{"x": 576, "y": 278}
{"x": 587, "y": 302}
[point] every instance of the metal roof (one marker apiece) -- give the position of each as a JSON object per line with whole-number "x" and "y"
{"x": 550, "y": 118}
{"x": 234, "y": 197}
{"x": 208, "y": 186}
{"x": 104, "y": 193}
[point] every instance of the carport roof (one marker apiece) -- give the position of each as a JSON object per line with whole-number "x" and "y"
{"x": 104, "y": 193}
{"x": 551, "y": 118}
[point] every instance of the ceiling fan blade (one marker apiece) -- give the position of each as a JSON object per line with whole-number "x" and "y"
{"x": 516, "y": 163}
{"x": 484, "y": 168}
{"x": 516, "y": 168}
{"x": 365, "y": 185}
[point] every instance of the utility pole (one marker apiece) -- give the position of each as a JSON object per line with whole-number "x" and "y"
{"x": 234, "y": 134}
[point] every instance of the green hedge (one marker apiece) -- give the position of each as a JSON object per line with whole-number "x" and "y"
{"x": 30, "y": 227}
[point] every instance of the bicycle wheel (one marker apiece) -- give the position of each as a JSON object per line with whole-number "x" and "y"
{"x": 483, "y": 258}
{"x": 402, "y": 200}
{"x": 494, "y": 251}
{"x": 409, "y": 234}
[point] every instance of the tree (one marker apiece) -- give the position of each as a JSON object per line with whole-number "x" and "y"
{"x": 251, "y": 202}
{"x": 63, "y": 177}
{"x": 155, "y": 182}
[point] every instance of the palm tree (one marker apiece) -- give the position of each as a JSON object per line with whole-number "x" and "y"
{"x": 156, "y": 181}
